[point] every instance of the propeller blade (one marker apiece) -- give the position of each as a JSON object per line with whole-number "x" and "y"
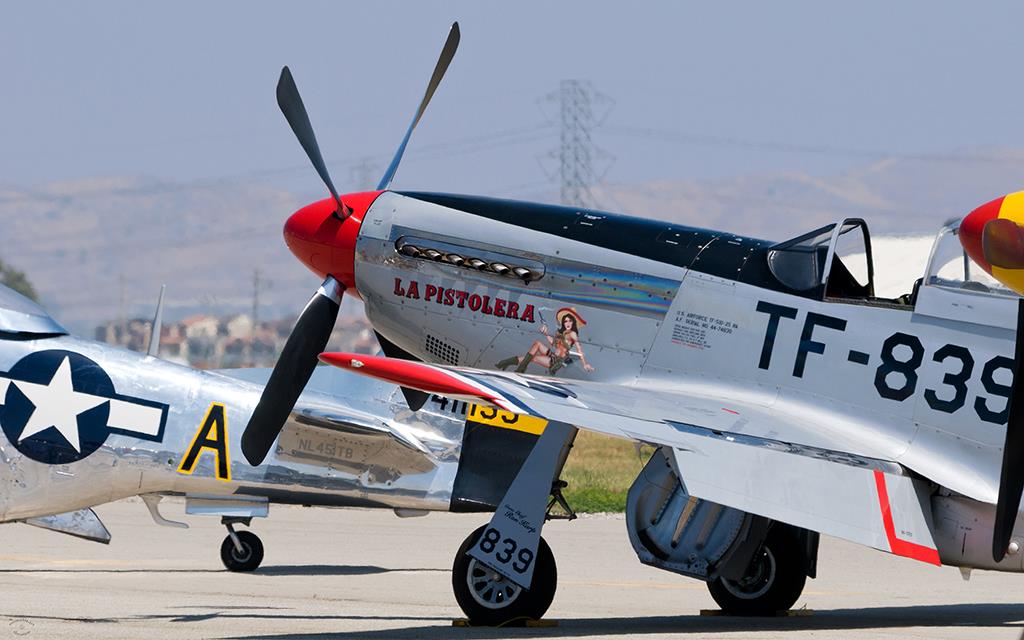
{"x": 447, "y": 53}
{"x": 1011, "y": 475}
{"x": 292, "y": 371}
{"x": 413, "y": 397}
{"x": 290, "y": 102}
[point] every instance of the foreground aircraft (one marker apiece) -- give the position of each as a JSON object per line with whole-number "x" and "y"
{"x": 784, "y": 397}
{"x": 85, "y": 423}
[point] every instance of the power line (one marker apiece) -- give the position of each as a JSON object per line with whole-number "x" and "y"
{"x": 364, "y": 174}
{"x": 142, "y": 248}
{"x": 459, "y": 146}
{"x": 513, "y": 189}
{"x": 688, "y": 138}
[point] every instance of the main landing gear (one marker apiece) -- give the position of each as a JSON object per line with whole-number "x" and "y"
{"x": 771, "y": 583}
{"x": 489, "y": 599}
{"x": 241, "y": 550}
{"x": 752, "y": 565}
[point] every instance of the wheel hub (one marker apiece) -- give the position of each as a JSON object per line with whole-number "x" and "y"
{"x": 758, "y": 580}
{"x": 243, "y": 555}
{"x": 489, "y": 588}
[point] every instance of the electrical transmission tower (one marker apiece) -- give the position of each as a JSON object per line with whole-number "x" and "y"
{"x": 581, "y": 109}
{"x": 258, "y": 284}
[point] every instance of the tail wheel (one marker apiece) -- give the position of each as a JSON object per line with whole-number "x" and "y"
{"x": 489, "y": 599}
{"x": 245, "y": 559}
{"x": 773, "y": 582}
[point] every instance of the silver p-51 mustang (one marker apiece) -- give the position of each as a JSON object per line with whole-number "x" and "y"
{"x": 785, "y": 398}
{"x": 85, "y": 423}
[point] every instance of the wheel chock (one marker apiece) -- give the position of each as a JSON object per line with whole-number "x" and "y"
{"x": 789, "y": 613}
{"x": 514, "y": 622}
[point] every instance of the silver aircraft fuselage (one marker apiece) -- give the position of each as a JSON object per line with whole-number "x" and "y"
{"x": 923, "y": 380}
{"x": 129, "y": 421}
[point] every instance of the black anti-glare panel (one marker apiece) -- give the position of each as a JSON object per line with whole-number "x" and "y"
{"x": 716, "y": 253}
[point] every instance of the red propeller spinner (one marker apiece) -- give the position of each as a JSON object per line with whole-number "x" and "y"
{"x": 325, "y": 243}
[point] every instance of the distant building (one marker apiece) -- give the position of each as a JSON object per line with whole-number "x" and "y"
{"x": 212, "y": 342}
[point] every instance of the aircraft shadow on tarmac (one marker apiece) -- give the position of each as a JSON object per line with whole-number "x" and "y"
{"x": 988, "y": 615}
{"x": 275, "y": 570}
{"x": 333, "y": 570}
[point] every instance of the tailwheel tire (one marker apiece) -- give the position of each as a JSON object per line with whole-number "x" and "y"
{"x": 489, "y": 599}
{"x": 773, "y": 582}
{"x": 248, "y": 558}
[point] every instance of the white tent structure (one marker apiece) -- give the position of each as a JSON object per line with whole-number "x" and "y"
{"x": 899, "y": 261}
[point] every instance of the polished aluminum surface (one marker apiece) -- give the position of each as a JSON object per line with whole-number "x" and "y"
{"x": 19, "y": 315}
{"x": 920, "y": 383}
{"x": 83, "y": 523}
{"x": 377, "y": 452}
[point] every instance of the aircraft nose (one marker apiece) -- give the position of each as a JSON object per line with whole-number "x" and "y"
{"x": 972, "y": 229}
{"x": 323, "y": 242}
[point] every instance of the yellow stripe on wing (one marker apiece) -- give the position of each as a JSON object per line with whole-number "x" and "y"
{"x": 495, "y": 417}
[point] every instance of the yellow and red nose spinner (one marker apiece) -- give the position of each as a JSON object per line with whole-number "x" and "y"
{"x": 993, "y": 236}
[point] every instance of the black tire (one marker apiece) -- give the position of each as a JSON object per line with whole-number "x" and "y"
{"x": 773, "y": 582}
{"x": 248, "y": 559}
{"x": 485, "y": 608}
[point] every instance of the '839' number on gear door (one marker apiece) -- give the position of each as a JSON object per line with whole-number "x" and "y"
{"x": 505, "y": 551}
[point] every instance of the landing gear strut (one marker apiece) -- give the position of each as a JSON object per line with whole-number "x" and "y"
{"x": 489, "y": 599}
{"x": 242, "y": 550}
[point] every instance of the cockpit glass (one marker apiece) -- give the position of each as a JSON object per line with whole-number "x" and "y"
{"x": 799, "y": 263}
{"x": 950, "y": 267}
{"x": 851, "y": 251}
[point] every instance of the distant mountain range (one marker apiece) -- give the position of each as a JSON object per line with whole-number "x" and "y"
{"x": 895, "y": 196}
{"x": 98, "y": 249}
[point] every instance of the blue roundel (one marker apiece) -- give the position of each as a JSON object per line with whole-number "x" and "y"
{"x": 71, "y": 422}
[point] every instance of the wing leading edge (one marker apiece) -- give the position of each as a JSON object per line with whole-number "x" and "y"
{"x": 809, "y": 479}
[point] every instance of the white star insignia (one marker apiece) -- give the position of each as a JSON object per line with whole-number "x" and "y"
{"x": 57, "y": 405}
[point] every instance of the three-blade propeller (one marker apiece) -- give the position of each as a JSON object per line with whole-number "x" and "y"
{"x": 994, "y": 239}
{"x": 447, "y": 53}
{"x": 290, "y": 103}
{"x": 292, "y": 371}
{"x": 313, "y": 328}
{"x": 1011, "y": 475}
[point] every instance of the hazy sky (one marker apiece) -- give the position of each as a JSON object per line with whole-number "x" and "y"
{"x": 184, "y": 91}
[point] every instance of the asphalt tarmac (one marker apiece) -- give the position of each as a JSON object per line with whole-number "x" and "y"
{"x": 369, "y": 574}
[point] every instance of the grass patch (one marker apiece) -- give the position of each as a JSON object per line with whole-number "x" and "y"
{"x": 600, "y": 471}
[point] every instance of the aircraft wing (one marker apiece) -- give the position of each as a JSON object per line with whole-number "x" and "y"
{"x": 337, "y": 401}
{"x": 727, "y": 451}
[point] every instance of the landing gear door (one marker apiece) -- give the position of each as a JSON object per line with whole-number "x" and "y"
{"x": 509, "y": 543}
{"x": 849, "y": 270}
